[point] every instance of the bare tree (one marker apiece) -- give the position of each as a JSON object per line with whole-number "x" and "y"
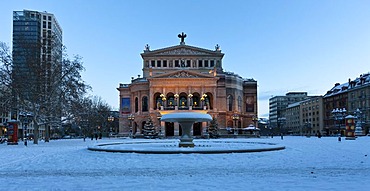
{"x": 5, "y": 78}
{"x": 91, "y": 114}
{"x": 46, "y": 86}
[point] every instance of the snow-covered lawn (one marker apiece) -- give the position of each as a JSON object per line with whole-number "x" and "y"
{"x": 305, "y": 164}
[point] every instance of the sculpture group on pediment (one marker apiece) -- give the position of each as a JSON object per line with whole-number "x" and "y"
{"x": 183, "y": 74}
{"x": 182, "y": 51}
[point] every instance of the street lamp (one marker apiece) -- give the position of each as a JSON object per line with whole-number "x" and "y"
{"x": 308, "y": 128}
{"x": 110, "y": 120}
{"x": 159, "y": 116}
{"x": 358, "y": 114}
{"x": 255, "y": 119}
{"x": 202, "y": 99}
{"x": 131, "y": 118}
{"x": 25, "y": 118}
{"x": 190, "y": 96}
{"x": 338, "y": 115}
{"x": 235, "y": 119}
{"x": 176, "y": 98}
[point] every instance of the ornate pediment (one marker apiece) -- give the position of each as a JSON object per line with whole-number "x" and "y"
{"x": 183, "y": 74}
{"x": 182, "y": 51}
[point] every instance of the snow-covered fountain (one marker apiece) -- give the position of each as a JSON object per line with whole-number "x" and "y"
{"x": 186, "y": 144}
{"x": 186, "y": 121}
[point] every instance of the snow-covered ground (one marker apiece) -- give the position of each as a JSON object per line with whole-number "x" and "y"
{"x": 305, "y": 164}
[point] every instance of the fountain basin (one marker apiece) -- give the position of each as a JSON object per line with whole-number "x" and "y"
{"x": 186, "y": 120}
{"x": 201, "y": 147}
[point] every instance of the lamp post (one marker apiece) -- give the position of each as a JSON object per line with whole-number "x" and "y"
{"x": 235, "y": 119}
{"x": 308, "y": 129}
{"x": 255, "y": 119}
{"x": 202, "y": 99}
{"x": 176, "y": 98}
{"x": 25, "y": 118}
{"x": 163, "y": 97}
{"x": 190, "y": 96}
{"x": 110, "y": 120}
{"x": 131, "y": 118}
{"x": 159, "y": 116}
{"x": 338, "y": 115}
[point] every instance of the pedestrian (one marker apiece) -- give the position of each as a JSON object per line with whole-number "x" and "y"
{"x": 96, "y": 136}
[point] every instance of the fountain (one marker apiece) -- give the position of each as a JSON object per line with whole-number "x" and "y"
{"x": 186, "y": 145}
{"x": 186, "y": 120}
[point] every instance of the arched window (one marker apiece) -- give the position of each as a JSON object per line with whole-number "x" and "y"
{"x": 144, "y": 104}
{"x": 136, "y": 104}
{"x": 230, "y": 101}
{"x": 183, "y": 101}
{"x": 239, "y": 103}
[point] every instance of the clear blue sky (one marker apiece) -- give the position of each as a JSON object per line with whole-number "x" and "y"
{"x": 305, "y": 45}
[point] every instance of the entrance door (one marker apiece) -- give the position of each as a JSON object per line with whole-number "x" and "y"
{"x": 197, "y": 129}
{"x": 180, "y": 130}
{"x": 170, "y": 129}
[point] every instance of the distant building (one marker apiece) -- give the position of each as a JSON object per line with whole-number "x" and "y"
{"x": 354, "y": 97}
{"x": 293, "y": 115}
{"x": 312, "y": 121}
{"x": 278, "y": 105}
{"x": 186, "y": 78}
{"x": 37, "y": 41}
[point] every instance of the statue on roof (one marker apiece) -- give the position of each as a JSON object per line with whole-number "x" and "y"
{"x": 217, "y": 47}
{"x": 182, "y": 36}
{"x": 147, "y": 48}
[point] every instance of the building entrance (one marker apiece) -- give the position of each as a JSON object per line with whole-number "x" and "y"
{"x": 197, "y": 129}
{"x": 170, "y": 129}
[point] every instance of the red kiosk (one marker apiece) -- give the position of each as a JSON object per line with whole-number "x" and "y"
{"x": 350, "y": 127}
{"x": 12, "y": 131}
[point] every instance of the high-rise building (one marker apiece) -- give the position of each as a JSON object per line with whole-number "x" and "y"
{"x": 37, "y": 55}
{"x": 37, "y": 39}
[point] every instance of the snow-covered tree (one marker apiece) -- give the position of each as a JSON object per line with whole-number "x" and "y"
{"x": 213, "y": 129}
{"x": 149, "y": 130}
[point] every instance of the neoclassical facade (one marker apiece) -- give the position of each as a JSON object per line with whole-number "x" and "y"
{"x": 185, "y": 78}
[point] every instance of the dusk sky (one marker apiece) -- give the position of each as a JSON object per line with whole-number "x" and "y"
{"x": 305, "y": 45}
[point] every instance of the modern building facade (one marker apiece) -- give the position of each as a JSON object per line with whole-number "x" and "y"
{"x": 186, "y": 78}
{"x": 37, "y": 43}
{"x": 278, "y": 105}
